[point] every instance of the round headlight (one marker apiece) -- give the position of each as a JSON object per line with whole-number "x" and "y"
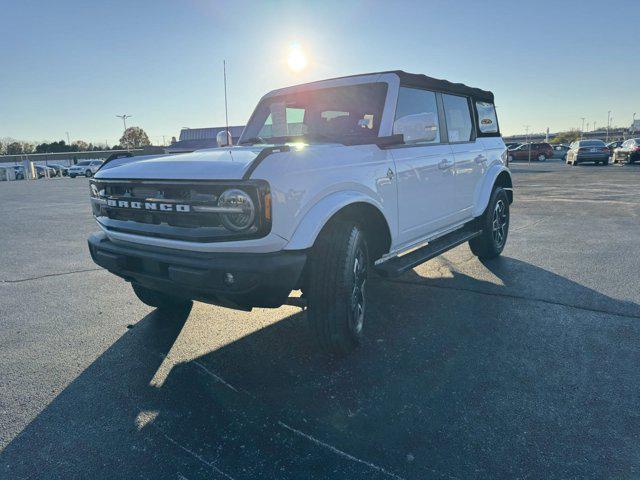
{"x": 241, "y": 201}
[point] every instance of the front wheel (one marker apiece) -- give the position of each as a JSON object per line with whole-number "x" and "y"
{"x": 495, "y": 227}
{"x": 336, "y": 286}
{"x": 542, "y": 157}
{"x": 71, "y": 175}
{"x": 167, "y": 305}
{"x": 88, "y": 173}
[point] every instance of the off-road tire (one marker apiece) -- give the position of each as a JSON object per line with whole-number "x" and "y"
{"x": 336, "y": 286}
{"x": 167, "y": 305}
{"x": 486, "y": 246}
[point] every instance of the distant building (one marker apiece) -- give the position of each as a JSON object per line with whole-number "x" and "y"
{"x": 198, "y": 138}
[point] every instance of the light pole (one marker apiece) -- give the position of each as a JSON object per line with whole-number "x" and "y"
{"x": 68, "y": 141}
{"x": 582, "y": 129}
{"x": 633, "y": 122}
{"x": 608, "y": 124}
{"x": 124, "y": 119}
{"x": 526, "y": 134}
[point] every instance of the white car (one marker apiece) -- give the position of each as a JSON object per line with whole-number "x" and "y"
{"x": 330, "y": 181}
{"x": 86, "y": 168}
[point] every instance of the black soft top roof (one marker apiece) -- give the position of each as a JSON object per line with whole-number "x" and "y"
{"x": 423, "y": 81}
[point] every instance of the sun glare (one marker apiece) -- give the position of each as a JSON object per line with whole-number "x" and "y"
{"x": 297, "y": 59}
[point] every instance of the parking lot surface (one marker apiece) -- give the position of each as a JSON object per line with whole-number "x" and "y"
{"x": 521, "y": 367}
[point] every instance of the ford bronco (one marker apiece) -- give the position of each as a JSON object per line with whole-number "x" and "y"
{"x": 330, "y": 182}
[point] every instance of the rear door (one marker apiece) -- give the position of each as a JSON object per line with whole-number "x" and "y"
{"x": 424, "y": 165}
{"x": 468, "y": 152}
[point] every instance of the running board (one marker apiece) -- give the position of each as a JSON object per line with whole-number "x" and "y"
{"x": 398, "y": 265}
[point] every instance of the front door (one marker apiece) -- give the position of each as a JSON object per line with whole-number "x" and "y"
{"x": 424, "y": 166}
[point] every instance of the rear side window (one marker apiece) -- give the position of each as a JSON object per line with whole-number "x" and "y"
{"x": 487, "y": 120}
{"x": 417, "y": 116}
{"x": 456, "y": 111}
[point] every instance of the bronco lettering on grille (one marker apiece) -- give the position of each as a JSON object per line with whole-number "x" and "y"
{"x": 139, "y": 205}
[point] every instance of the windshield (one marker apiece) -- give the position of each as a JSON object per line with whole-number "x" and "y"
{"x": 592, "y": 143}
{"x": 82, "y": 164}
{"x": 326, "y": 115}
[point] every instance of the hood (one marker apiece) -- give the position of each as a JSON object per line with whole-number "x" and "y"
{"x": 210, "y": 164}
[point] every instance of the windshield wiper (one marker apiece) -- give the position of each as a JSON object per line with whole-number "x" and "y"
{"x": 252, "y": 141}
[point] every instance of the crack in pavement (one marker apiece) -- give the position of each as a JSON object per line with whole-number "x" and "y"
{"x": 517, "y": 297}
{"x": 28, "y": 279}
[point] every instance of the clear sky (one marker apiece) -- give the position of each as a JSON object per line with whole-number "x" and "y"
{"x": 72, "y": 65}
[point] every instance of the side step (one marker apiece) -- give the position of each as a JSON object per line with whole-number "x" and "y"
{"x": 398, "y": 265}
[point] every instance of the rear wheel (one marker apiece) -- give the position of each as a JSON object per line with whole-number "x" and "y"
{"x": 88, "y": 173}
{"x": 495, "y": 227}
{"x": 72, "y": 175}
{"x": 167, "y": 305}
{"x": 336, "y": 287}
{"x": 542, "y": 157}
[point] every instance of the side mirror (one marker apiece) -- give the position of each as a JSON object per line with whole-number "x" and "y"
{"x": 224, "y": 139}
{"x": 420, "y": 127}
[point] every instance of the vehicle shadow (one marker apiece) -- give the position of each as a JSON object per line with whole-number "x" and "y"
{"x": 458, "y": 377}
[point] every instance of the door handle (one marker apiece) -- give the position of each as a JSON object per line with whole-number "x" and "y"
{"x": 480, "y": 159}
{"x": 445, "y": 164}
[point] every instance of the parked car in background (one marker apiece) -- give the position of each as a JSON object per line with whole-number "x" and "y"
{"x": 628, "y": 152}
{"x": 560, "y": 151}
{"x": 534, "y": 151}
{"x": 43, "y": 171}
{"x": 87, "y": 168}
{"x": 613, "y": 145}
{"x": 588, "y": 151}
{"x": 61, "y": 170}
{"x": 19, "y": 172}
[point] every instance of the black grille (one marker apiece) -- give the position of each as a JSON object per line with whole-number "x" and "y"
{"x": 191, "y": 225}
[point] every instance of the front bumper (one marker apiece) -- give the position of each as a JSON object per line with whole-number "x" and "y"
{"x": 259, "y": 279}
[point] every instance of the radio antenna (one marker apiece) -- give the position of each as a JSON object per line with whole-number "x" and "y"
{"x": 226, "y": 110}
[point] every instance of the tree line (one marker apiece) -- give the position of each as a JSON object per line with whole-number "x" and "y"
{"x": 133, "y": 137}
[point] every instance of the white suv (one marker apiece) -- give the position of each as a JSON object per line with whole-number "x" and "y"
{"x": 86, "y": 168}
{"x": 330, "y": 181}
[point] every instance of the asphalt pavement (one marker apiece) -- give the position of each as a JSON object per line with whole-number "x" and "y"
{"x": 521, "y": 367}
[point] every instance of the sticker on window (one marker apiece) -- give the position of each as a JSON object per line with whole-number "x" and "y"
{"x": 488, "y": 122}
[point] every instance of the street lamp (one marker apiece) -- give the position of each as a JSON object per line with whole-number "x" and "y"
{"x": 582, "y": 129}
{"x": 608, "y": 124}
{"x": 526, "y": 129}
{"x": 124, "y": 119}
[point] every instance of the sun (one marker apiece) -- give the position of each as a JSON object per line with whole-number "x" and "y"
{"x": 297, "y": 60}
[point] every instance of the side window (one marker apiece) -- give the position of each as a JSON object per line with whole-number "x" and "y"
{"x": 456, "y": 111}
{"x": 283, "y": 121}
{"x": 417, "y": 116}
{"x": 487, "y": 120}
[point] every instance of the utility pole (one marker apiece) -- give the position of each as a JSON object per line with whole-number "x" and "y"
{"x": 608, "y": 124}
{"x": 582, "y": 129}
{"x": 633, "y": 122}
{"x": 68, "y": 141}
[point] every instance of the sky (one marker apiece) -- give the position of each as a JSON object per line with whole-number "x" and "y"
{"x": 72, "y": 65}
